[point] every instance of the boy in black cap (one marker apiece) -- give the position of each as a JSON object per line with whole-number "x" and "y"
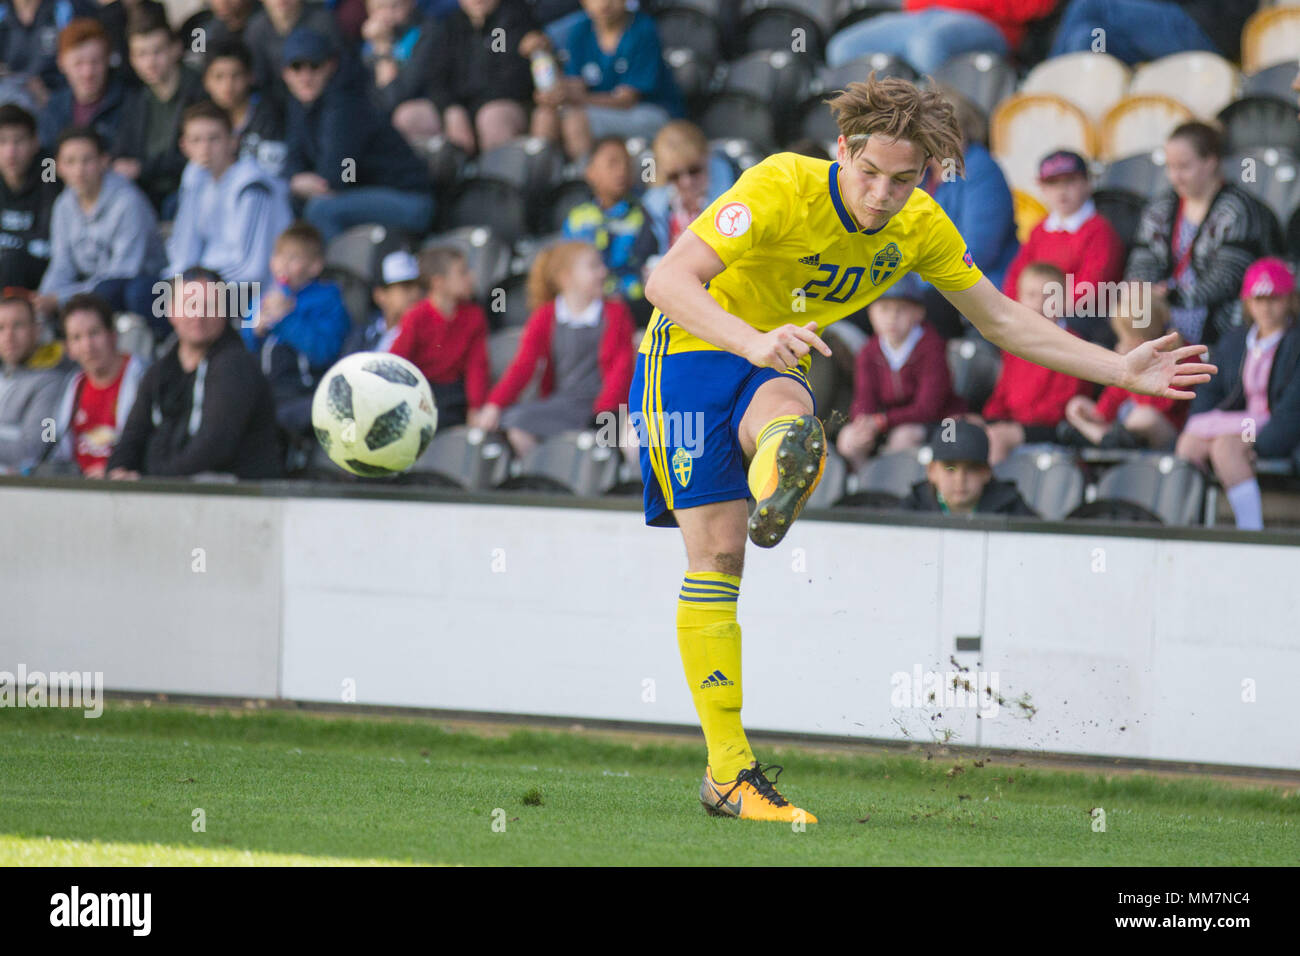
{"x": 959, "y": 480}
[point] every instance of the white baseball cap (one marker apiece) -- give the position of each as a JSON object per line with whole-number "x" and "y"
{"x": 400, "y": 266}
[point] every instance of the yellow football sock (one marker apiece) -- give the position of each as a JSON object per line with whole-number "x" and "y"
{"x": 709, "y": 640}
{"x": 762, "y": 469}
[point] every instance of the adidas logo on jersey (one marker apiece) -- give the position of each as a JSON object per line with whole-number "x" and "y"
{"x": 812, "y": 260}
{"x": 716, "y": 679}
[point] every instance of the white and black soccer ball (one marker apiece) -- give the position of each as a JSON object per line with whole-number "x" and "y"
{"x": 374, "y": 414}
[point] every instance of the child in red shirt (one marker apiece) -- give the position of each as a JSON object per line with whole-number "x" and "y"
{"x": 445, "y": 336}
{"x": 583, "y": 340}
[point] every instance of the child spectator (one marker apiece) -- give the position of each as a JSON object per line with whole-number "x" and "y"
{"x": 959, "y": 480}
{"x": 224, "y": 22}
{"x": 1074, "y": 237}
{"x": 345, "y": 160}
{"x": 400, "y": 291}
{"x": 298, "y": 328}
{"x": 1120, "y": 418}
{"x": 1028, "y": 401}
{"x": 902, "y": 386}
{"x": 230, "y": 210}
{"x": 688, "y": 178}
{"x": 103, "y": 233}
{"x": 146, "y": 149}
{"x": 398, "y": 49}
{"x": 269, "y": 28}
{"x": 1251, "y": 408}
{"x": 584, "y": 342}
{"x": 204, "y": 406}
{"x": 481, "y": 84}
{"x": 257, "y": 119}
{"x": 98, "y": 398}
{"x": 615, "y": 223}
{"x": 616, "y": 82}
{"x": 26, "y": 201}
{"x": 445, "y": 337}
{"x": 31, "y": 380}
{"x": 114, "y": 15}
{"x": 93, "y": 96}
{"x": 29, "y": 40}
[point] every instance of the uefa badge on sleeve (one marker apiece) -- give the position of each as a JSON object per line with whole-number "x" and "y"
{"x": 733, "y": 220}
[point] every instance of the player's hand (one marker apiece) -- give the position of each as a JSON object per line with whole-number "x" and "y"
{"x": 1149, "y": 370}
{"x": 782, "y": 348}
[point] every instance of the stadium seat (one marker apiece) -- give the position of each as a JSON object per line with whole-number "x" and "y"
{"x": 1168, "y": 487}
{"x": 1270, "y": 36}
{"x": 773, "y": 25}
{"x": 571, "y": 463}
{"x": 1027, "y": 127}
{"x": 1050, "y": 482}
{"x": 1029, "y": 212}
{"x": 742, "y": 116}
{"x": 1123, "y": 210}
{"x": 1270, "y": 175}
{"x": 778, "y": 78}
{"x": 693, "y": 72}
{"x": 489, "y": 203}
{"x": 1293, "y": 235}
{"x": 529, "y": 162}
{"x": 975, "y": 365}
{"x": 515, "y": 299}
{"x": 741, "y": 153}
{"x": 527, "y": 248}
{"x": 833, "y": 484}
{"x": 134, "y": 337}
{"x": 629, "y": 480}
{"x": 983, "y": 78}
{"x": 821, "y": 376}
{"x": 445, "y": 159}
{"x": 893, "y": 473}
{"x": 1138, "y": 124}
{"x": 361, "y": 249}
{"x": 502, "y": 347}
{"x": 1204, "y": 82}
{"x": 1142, "y": 174}
{"x": 1094, "y": 82}
{"x": 855, "y": 71}
{"x": 692, "y": 25}
{"x": 563, "y": 198}
{"x": 487, "y": 253}
{"x": 468, "y": 457}
{"x": 817, "y": 124}
{"x": 845, "y": 13}
{"x": 1274, "y": 81}
{"x": 1259, "y": 121}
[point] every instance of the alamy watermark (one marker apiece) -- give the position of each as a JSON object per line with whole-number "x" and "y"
{"x": 83, "y": 689}
{"x": 955, "y": 688}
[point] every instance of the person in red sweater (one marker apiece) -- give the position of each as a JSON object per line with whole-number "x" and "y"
{"x": 902, "y": 385}
{"x": 1120, "y": 418}
{"x": 583, "y": 341}
{"x": 1074, "y": 237}
{"x": 1028, "y": 401}
{"x": 445, "y": 336}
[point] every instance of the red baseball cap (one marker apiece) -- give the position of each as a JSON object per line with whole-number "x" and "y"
{"x": 1268, "y": 276}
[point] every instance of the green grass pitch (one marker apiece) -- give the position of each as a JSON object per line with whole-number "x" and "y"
{"x": 286, "y": 788}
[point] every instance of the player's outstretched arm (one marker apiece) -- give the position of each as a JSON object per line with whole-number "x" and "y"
{"x": 676, "y": 288}
{"x": 1148, "y": 369}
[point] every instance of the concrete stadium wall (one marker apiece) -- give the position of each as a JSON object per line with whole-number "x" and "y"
{"x": 1142, "y": 645}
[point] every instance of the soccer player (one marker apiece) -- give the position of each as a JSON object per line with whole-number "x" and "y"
{"x": 795, "y": 245}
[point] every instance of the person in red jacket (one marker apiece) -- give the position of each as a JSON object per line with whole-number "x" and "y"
{"x": 1028, "y": 401}
{"x": 445, "y": 336}
{"x": 902, "y": 385}
{"x": 1074, "y": 237}
{"x": 583, "y": 341}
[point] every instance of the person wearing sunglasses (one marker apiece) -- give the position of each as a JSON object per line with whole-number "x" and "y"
{"x": 687, "y": 178}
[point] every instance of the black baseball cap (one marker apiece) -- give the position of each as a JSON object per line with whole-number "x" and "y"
{"x": 966, "y": 442}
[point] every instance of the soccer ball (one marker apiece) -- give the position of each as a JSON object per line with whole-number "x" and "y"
{"x": 374, "y": 414}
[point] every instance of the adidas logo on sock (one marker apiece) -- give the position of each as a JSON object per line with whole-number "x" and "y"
{"x": 812, "y": 260}
{"x": 716, "y": 679}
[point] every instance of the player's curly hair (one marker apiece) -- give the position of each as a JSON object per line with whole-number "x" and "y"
{"x": 896, "y": 109}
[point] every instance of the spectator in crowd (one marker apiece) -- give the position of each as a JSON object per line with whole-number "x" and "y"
{"x": 928, "y": 33}
{"x": 1195, "y": 241}
{"x": 103, "y": 233}
{"x": 615, "y": 223}
{"x": 400, "y": 290}
{"x": 146, "y": 149}
{"x": 615, "y": 84}
{"x": 1028, "y": 401}
{"x": 93, "y": 96}
{"x": 230, "y": 210}
{"x": 445, "y": 336}
{"x": 114, "y": 16}
{"x": 298, "y": 328}
{"x": 1251, "y": 409}
{"x": 902, "y": 386}
{"x": 1074, "y": 237}
{"x": 31, "y": 379}
{"x": 270, "y": 27}
{"x": 27, "y": 194}
{"x": 959, "y": 480}
{"x": 1120, "y": 418}
{"x": 257, "y": 119}
{"x": 98, "y": 398}
{"x": 29, "y": 43}
{"x": 480, "y": 83}
{"x": 688, "y": 177}
{"x": 1136, "y": 31}
{"x": 345, "y": 160}
{"x": 398, "y": 50}
{"x": 204, "y": 407}
{"x": 583, "y": 341}
{"x": 223, "y": 23}
{"x": 980, "y": 206}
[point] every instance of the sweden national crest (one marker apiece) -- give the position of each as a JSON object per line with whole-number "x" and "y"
{"x": 885, "y": 264}
{"x": 682, "y": 462}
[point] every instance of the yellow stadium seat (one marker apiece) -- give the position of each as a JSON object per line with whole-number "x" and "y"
{"x": 1271, "y": 35}
{"x": 1027, "y": 127}
{"x": 1139, "y": 124}
{"x": 1029, "y": 213}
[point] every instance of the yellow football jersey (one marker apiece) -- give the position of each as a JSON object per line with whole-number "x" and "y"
{"x": 794, "y": 254}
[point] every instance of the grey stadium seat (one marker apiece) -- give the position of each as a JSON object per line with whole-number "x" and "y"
{"x": 1272, "y": 81}
{"x": 361, "y": 249}
{"x": 740, "y": 115}
{"x": 975, "y": 365}
{"x": 487, "y": 253}
{"x": 530, "y": 164}
{"x": 778, "y": 78}
{"x": 572, "y": 462}
{"x": 467, "y": 457}
{"x": 690, "y": 24}
{"x": 1276, "y": 179}
{"x": 1142, "y": 174}
{"x": 833, "y": 484}
{"x": 1123, "y": 210}
{"x": 446, "y": 161}
{"x": 894, "y": 473}
{"x": 497, "y": 205}
{"x": 563, "y": 198}
{"x": 1255, "y": 122}
{"x": 693, "y": 72}
{"x": 1051, "y": 483}
{"x": 1169, "y": 487}
{"x": 858, "y": 69}
{"x": 983, "y": 78}
{"x": 848, "y": 12}
{"x": 770, "y": 24}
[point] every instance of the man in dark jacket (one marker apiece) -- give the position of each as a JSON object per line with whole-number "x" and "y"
{"x": 29, "y": 39}
{"x": 204, "y": 406}
{"x": 345, "y": 159}
{"x": 94, "y": 96}
{"x": 959, "y": 480}
{"x": 26, "y": 201}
